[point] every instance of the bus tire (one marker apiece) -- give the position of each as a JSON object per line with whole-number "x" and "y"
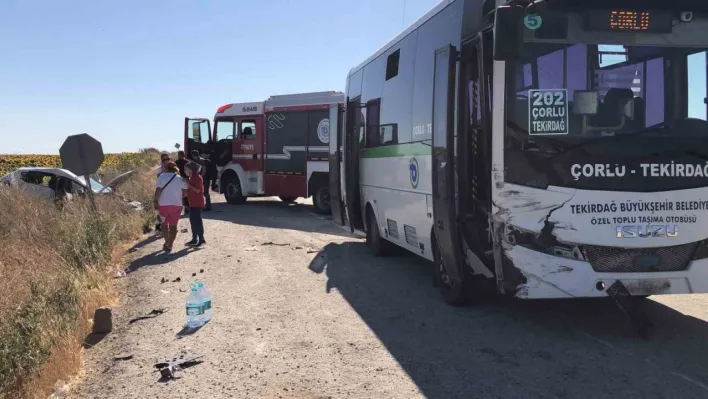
{"x": 453, "y": 293}
{"x": 288, "y": 200}
{"x": 232, "y": 189}
{"x": 320, "y": 200}
{"x": 378, "y": 244}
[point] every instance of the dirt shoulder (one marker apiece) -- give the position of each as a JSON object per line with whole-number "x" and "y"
{"x": 302, "y": 310}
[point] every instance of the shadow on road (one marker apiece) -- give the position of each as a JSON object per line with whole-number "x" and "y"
{"x": 147, "y": 241}
{"x": 158, "y": 258}
{"x": 187, "y": 331}
{"x": 510, "y": 348}
{"x": 93, "y": 339}
{"x": 275, "y": 214}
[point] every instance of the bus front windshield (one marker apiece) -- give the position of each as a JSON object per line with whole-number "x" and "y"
{"x": 607, "y": 117}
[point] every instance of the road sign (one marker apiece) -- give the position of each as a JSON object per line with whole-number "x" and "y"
{"x": 81, "y": 154}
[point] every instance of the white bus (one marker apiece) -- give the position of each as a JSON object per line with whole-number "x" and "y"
{"x": 557, "y": 149}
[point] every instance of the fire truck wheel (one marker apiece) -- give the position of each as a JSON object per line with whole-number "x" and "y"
{"x": 232, "y": 190}
{"x": 454, "y": 293}
{"x": 321, "y": 201}
{"x": 288, "y": 199}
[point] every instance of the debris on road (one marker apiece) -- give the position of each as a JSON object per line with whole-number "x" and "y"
{"x": 123, "y": 356}
{"x": 177, "y": 280}
{"x": 164, "y": 291}
{"x": 103, "y": 320}
{"x": 168, "y": 367}
{"x": 163, "y": 281}
{"x": 252, "y": 249}
{"x": 120, "y": 274}
{"x": 277, "y": 245}
{"x": 154, "y": 313}
{"x": 201, "y": 270}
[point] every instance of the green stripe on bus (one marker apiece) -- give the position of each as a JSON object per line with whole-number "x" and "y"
{"x": 398, "y": 150}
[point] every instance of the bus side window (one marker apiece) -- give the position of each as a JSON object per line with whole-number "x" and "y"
{"x": 696, "y": 72}
{"x": 373, "y": 136}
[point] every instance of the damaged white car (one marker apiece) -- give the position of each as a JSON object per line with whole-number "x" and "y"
{"x": 62, "y": 185}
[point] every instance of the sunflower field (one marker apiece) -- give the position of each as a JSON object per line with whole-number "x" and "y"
{"x": 111, "y": 163}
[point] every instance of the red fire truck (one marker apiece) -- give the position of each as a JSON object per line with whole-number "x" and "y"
{"x": 276, "y": 148}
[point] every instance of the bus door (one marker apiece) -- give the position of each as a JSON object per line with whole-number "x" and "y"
{"x": 444, "y": 212}
{"x": 197, "y": 136}
{"x": 335, "y": 159}
{"x": 354, "y": 125}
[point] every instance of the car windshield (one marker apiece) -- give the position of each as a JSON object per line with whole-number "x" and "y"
{"x": 96, "y": 186}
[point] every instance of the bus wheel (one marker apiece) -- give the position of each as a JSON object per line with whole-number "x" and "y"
{"x": 374, "y": 240}
{"x": 321, "y": 201}
{"x": 232, "y": 190}
{"x": 288, "y": 199}
{"x": 454, "y": 293}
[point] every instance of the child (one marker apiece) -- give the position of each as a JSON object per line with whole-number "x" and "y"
{"x": 195, "y": 196}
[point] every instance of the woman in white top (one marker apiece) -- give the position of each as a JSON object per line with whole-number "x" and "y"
{"x": 169, "y": 191}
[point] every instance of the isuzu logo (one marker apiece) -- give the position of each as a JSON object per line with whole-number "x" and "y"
{"x": 647, "y": 231}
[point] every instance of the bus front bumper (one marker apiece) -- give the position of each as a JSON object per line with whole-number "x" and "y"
{"x": 550, "y": 277}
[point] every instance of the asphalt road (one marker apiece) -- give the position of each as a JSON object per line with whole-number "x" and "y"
{"x": 302, "y": 310}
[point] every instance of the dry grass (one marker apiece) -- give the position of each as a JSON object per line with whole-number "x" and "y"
{"x": 56, "y": 268}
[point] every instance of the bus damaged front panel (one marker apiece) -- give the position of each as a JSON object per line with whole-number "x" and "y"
{"x": 603, "y": 144}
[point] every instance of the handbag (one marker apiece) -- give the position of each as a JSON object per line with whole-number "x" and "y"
{"x": 156, "y": 203}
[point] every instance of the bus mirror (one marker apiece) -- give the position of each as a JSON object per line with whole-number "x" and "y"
{"x": 508, "y": 32}
{"x": 585, "y": 103}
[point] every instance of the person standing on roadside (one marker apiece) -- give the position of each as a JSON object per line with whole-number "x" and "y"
{"x": 195, "y": 195}
{"x": 205, "y": 172}
{"x": 164, "y": 159}
{"x": 181, "y": 162}
{"x": 169, "y": 193}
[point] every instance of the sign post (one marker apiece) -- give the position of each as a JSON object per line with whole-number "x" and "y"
{"x": 82, "y": 155}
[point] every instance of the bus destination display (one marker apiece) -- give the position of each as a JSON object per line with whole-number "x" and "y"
{"x": 629, "y": 21}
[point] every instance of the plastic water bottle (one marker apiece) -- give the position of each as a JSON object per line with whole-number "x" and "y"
{"x": 195, "y": 308}
{"x": 206, "y": 301}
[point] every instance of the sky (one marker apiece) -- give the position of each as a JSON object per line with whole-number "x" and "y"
{"x": 128, "y": 72}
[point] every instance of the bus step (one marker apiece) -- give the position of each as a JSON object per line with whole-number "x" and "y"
{"x": 632, "y": 307}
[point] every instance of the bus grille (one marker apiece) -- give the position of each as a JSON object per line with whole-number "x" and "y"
{"x": 392, "y": 228}
{"x": 639, "y": 260}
